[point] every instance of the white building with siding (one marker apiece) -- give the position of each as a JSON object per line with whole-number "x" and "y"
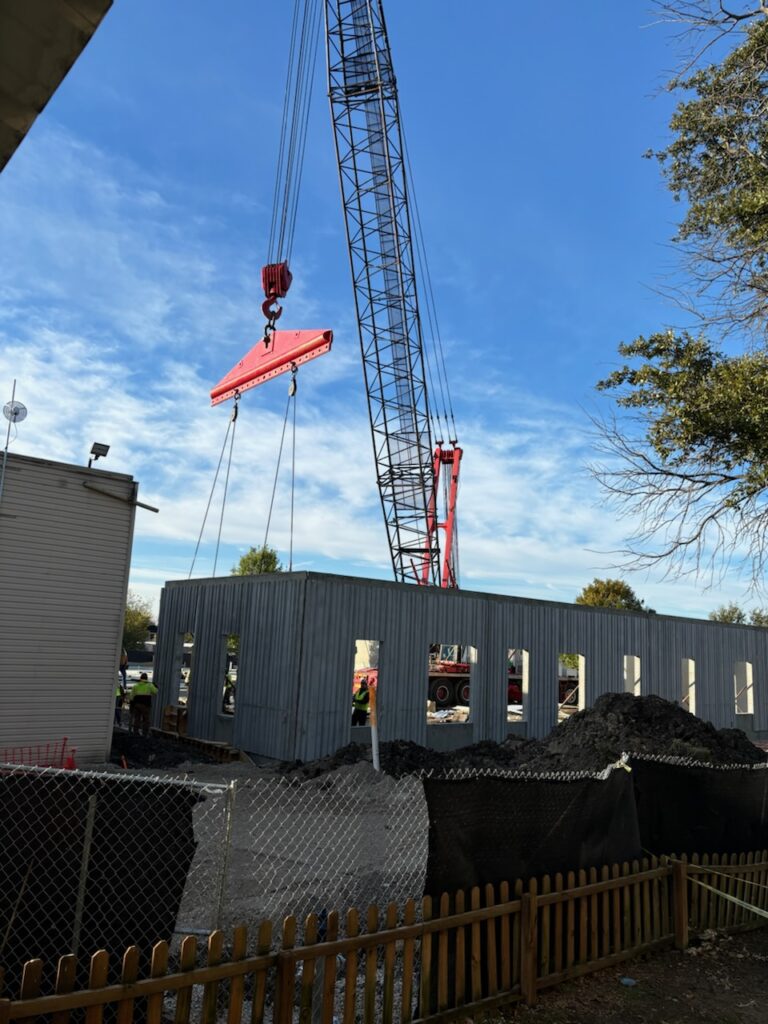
{"x": 65, "y": 549}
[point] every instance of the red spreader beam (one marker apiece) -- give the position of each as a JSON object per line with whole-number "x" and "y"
{"x": 279, "y": 352}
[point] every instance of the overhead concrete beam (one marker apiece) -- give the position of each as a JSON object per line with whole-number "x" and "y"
{"x": 40, "y": 40}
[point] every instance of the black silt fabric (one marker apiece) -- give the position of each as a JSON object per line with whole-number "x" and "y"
{"x": 493, "y": 830}
{"x": 700, "y": 810}
{"x": 142, "y": 848}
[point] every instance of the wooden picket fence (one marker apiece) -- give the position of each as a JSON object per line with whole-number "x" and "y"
{"x": 465, "y": 954}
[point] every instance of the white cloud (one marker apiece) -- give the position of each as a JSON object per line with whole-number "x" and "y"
{"x": 122, "y": 304}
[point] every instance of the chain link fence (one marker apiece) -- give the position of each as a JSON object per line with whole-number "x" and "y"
{"x": 350, "y": 838}
{"x": 97, "y": 860}
{"x": 105, "y": 860}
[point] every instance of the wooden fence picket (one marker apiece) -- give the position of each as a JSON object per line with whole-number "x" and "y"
{"x": 187, "y": 962}
{"x": 516, "y": 936}
{"x": 605, "y": 942}
{"x": 158, "y": 968}
{"x": 406, "y": 999}
{"x": 369, "y": 998}
{"x": 308, "y": 970}
{"x": 237, "y": 983}
{"x": 545, "y": 936}
{"x": 471, "y": 959}
{"x": 98, "y": 975}
{"x": 583, "y": 955}
{"x": 66, "y": 976}
{"x": 286, "y": 975}
{"x": 329, "y": 971}
{"x": 558, "y": 934}
{"x": 505, "y": 979}
{"x": 459, "y": 987}
{"x": 476, "y": 964}
{"x": 594, "y": 935}
{"x": 388, "y": 992}
{"x": 442, "y": 955}
{"x": 350, "y": 972}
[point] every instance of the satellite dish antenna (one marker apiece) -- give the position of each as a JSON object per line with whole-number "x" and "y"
{"x": 15, "y": 411}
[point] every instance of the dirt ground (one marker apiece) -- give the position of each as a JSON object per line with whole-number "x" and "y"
{"x": 723, "y": 980}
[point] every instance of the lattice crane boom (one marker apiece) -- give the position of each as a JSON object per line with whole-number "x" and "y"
{"x": 374, "y": 189}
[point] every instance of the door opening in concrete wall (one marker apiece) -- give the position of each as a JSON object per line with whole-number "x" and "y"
{"x": 517, "y": 684}
{"x": 570, "y": 684}
{"x": 365, "y": 679}
{"x": 688, "y": 685}
{"x": 632, "y": 674}
{"x": 230, "y": 662}
{"x": 450, "y": 683}
{"x": 742, "y": 688}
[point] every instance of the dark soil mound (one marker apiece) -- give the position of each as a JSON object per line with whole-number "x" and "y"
{"x": 587, "y": 741}
{"x": 152, "y": 752}
{"x": 619, "y": 722}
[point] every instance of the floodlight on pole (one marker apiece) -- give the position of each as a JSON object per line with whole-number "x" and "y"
{"x": 97, "y": 451}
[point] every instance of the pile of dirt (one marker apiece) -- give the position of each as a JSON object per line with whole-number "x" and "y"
{"x": 587, "y": 741}
{"x": 619, "y": 722}
{"x": 152, "y": 752}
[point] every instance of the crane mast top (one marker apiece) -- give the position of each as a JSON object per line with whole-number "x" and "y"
{"x": 372, "y": 172}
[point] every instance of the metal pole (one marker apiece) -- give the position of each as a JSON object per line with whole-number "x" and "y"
{"x": 231, "y": 791}
{"x": 7, "y": 442}
{"x": 374, "y": 730}
{"x": 87, "y": 840}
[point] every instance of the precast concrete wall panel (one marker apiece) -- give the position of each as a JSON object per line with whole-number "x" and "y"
{"x": 297, "y": 641}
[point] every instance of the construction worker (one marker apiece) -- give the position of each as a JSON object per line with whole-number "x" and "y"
{"x": 141, "y": 705}
{"x": 119, "y": 698}
{"x": 361, "y": 702}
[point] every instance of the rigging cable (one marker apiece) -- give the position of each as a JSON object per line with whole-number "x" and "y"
{"x": 305, "y": 37}
{"x": 291, "y": 394}
{"x": 213, "y": 488}
{"x": 421, "y": 252}
{"x": 226, "y": 480}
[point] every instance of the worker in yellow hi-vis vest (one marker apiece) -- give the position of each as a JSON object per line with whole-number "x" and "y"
{"x": 141, "y": 704}
{"x": 361, "y": 702}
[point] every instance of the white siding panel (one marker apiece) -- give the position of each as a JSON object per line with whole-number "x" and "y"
{"x": 64, "y": 558}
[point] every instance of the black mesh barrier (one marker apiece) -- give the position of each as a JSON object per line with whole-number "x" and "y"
{"x": 490, "y": 829}
{"x": 89, "y": 862}
{"x": 683, "y": 809}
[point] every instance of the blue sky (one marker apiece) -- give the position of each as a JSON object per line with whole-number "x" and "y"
{"x": 135, "y": 217}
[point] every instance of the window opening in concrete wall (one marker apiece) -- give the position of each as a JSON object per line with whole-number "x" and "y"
{"x": 365, "y": 679}
{"x": 187, "y": 665}
{"x": 450, "y": 683}
{"x": 688, "y": 685}
{"x": 570, "y": 680}
{"x": 632, "y": 674}
{"x": 517, "y": 684}
{"x": 742, "y": 688}
{"x": 229, "y": 661}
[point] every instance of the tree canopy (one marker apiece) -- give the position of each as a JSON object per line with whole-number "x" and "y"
{"x": 138, "y": 616}
{"x": 257, "y": 561}
{"x": 685, "y": 454}
{"x": 733, "y": 613}
{"x": 611, "y": 594}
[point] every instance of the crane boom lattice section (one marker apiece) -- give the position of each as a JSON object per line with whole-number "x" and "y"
{"x": 366, "y": 120}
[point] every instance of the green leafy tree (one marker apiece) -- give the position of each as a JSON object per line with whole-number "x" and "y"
{"x": 733, "y": 613}
{"x": 686, "y": 452}
{"x": 611, "y": 594}
{"x": 729, "y": 613}
{"x": 257, "y": 561}
{"x": 138, "y": 616}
